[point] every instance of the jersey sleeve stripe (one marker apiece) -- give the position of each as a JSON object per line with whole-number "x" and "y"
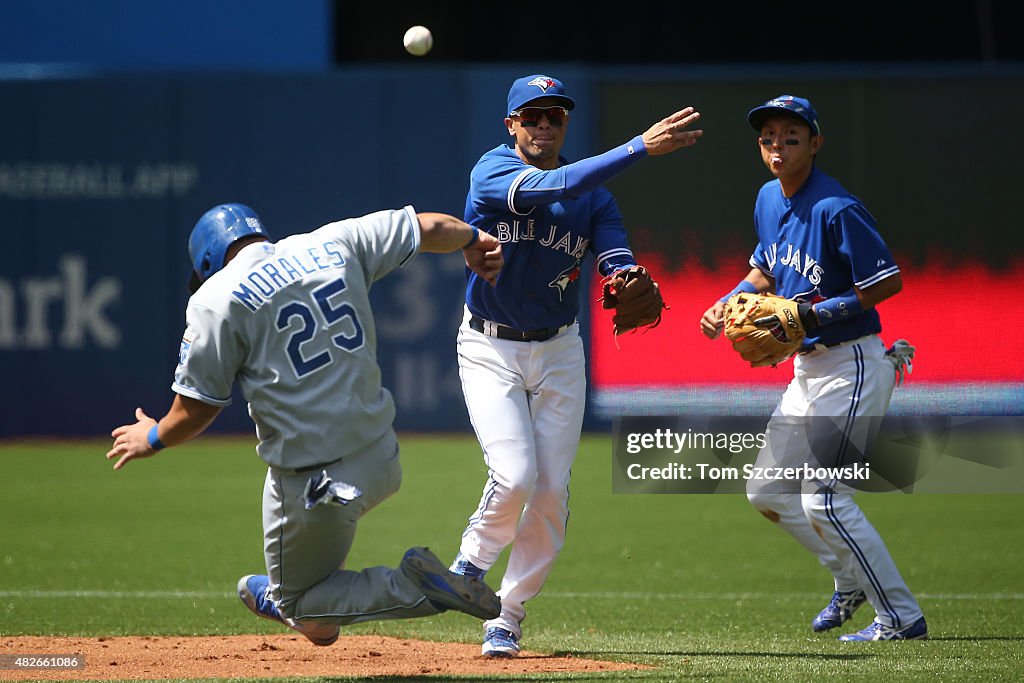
{"x": 877, "y": 277}
{"x": 514, "y": 187}
{"x": 612, "y": 253}
{"x": 755, "y": 264}
{"x": 192, "y": 393}
{"x": 415, "y": 236}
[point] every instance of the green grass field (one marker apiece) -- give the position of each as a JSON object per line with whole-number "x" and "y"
{"x": 699, "y": 586}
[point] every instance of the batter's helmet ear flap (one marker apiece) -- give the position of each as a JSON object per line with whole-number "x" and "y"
{"x": 217, "y": 230}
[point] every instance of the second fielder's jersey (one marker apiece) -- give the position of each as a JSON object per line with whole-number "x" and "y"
{"x": 545, "y": 235}
{"x": 291, "y": 322}
{"x": 818, "y": 244}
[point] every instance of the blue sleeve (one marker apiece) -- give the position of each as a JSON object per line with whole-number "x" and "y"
{"x": 609, "y": 243}
{"x": 536, "y": 187}
{"x": 859, "y": 243}
{"x": 490, "y": 180}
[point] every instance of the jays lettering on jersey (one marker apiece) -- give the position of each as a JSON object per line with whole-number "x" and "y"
{"x": 290, "y": 321}
{"x": 545, "y": 235}
{"x": 818, "y": 244}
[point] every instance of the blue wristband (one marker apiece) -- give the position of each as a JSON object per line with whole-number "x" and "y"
{"x": 473, "y": 239}
{"x": 838, "y": 308}
{"x": 743, "y": 286}
{"x": 154, "y": 441}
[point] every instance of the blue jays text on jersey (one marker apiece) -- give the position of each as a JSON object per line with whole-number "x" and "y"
{"x": 273, "y": 275}
{"x": 818, "y": 244}
{"x": 545, "y": 233}
{"x": 557, "y": 238}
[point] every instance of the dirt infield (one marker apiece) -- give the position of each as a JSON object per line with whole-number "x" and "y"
{"x": 148, "y": 657}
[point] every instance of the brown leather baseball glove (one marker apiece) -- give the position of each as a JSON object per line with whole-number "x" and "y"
{"x": 764, "y": 329}
{"x": 636, "y": 298}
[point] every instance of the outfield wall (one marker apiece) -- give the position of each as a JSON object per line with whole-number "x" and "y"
{"x": 101, "y": 179}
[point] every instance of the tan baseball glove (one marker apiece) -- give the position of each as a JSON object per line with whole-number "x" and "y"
{"x": 636, "y": 298}
{"x": 764, "y": 329}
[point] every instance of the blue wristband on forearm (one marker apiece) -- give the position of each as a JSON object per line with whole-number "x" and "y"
{"x": 154, "y": 441}
{"x": 743, "y": 286}
{"x": 838, "y": 308}
{"x": 473, "y": 239}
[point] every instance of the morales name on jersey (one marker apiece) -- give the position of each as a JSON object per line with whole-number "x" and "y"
{"x": 274, "y": 274}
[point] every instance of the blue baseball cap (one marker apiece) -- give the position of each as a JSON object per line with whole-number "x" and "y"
{"x": 529, "y": 88}
{"x": 785, "y": 104}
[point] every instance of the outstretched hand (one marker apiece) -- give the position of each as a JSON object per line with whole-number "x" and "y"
{"x": 130, "y": 441}
{"x": 484, "y": 257}
{"x": 670, "y": 133}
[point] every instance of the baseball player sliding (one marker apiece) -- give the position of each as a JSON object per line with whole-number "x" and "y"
{"x": 520, "y": 354}
{"x": 818, "y": 249}
{"x": 291, "y": 321}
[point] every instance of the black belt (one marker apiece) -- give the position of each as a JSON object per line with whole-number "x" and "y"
{"x": 512, "y": 334}
{"x": 319, "y": 466}
{"x": 825, "y": 347}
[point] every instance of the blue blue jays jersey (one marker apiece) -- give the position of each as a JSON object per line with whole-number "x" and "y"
{"x": 545, "y": 235}
{"x": 818, "y": 244}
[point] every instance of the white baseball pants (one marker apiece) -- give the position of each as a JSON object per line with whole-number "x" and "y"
{"x": 526, "y": 401}
{"x": 833, "y": 387}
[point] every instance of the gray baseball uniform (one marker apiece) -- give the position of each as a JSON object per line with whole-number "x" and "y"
{"x": 291, "y": 322}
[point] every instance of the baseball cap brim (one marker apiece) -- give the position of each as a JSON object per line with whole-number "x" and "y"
{"x": 758, "y": 116}
{"x": 560, "y": 101}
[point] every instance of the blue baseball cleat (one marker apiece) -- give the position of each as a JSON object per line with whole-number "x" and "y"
{"x": 500, "y": 643}
{"x": 463, "y": 567}
{"x": 916, "y": 631}
{"x": 839, "y": 610}
{"x": 253, "y": 589}
{"x": 447, "y": 590}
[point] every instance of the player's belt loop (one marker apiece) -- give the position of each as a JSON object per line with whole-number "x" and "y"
{"x": 492, "y": 329}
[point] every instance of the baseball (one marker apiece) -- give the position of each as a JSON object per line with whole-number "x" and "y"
{"x": 418, "y": 40}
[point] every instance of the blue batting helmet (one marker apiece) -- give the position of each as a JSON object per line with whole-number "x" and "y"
{"x": 217, "y": 230}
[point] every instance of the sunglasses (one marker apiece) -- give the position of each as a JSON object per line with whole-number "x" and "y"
{"x": 530, "y": 116}
{"x": 768, "y": 142}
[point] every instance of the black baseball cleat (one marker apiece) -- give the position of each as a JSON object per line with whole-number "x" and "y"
{"x": 447, "y": 590}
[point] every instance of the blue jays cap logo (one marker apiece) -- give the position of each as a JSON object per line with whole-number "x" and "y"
{"x": 543, "y": 82}
{"x": 791, "y": 103}
{"x": 522, "y": 92}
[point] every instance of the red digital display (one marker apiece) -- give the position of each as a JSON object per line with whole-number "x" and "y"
{"x": 955, "y": 314}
